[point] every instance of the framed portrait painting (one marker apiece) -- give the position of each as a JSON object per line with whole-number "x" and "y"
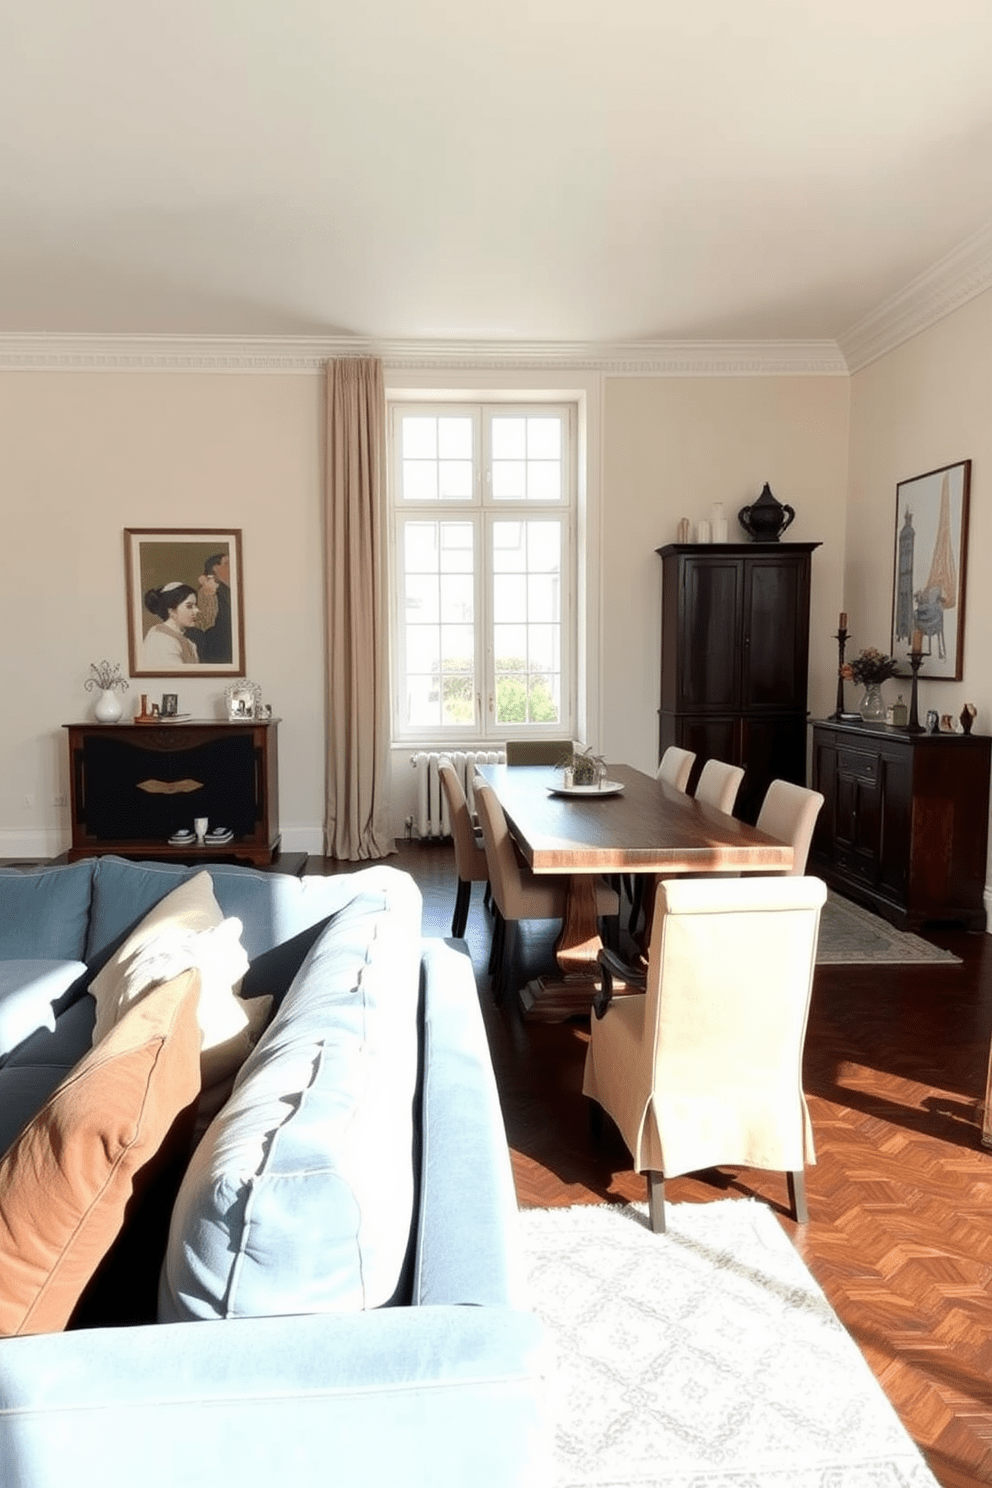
{"x": 931, "y": 544}
{"x": 185, "y": 602}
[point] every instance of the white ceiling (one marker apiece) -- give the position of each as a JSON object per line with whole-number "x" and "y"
{"x": 554, "y": 170}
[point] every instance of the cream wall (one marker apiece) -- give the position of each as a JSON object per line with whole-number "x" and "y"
{"x": 923, "y": 406}
{"x": 673, "y": 447}
{"x": 84, "y": 455}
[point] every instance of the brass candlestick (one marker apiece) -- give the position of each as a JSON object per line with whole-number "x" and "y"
{"x": 841, "y": 639}
{"x": 914, "y": 726}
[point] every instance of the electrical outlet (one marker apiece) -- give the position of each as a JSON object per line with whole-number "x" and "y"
{"x": 58, "y": 799}
{"x": 29, "y": 801}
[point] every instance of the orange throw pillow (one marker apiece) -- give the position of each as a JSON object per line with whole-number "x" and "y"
{"x": 66, "y": 1181}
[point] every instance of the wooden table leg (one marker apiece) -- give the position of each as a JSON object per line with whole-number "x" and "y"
{"x": 554, "y": 999}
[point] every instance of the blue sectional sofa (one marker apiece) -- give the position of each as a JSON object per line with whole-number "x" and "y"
{"x": 341, "y": 1298}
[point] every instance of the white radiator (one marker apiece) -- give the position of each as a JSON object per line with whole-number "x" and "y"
{"x": 431, "y": 816}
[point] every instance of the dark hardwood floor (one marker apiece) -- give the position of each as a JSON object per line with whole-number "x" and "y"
{"x": 900, "y": 1199}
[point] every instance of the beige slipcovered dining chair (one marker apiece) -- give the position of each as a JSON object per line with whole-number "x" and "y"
{"x": 718, "y": 785}
{"x": 470, "y": 853}
{"x": 789, "y": 813}
{"x": 676, "y": 767}
{"x": 704, "y": 1069}
{"x": 518, "y": 894}
{"x": 537, "y": 751}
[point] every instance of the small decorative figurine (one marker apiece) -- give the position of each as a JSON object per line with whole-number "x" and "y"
{"x": 933, "y": 721}
{"x": 968, "y": 713}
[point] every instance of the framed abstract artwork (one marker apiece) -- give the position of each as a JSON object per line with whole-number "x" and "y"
{"x": 185, "y": 602}
{"x": 928, "y": 588}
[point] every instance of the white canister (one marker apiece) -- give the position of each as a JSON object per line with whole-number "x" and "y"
{"x": 703, "y": 530}
{"x": 718, "y": 523}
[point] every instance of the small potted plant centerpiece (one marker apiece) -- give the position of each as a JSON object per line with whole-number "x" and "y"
{"x": 582, "y": 767}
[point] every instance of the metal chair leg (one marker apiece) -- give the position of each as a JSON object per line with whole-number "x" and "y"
{"x": 656, "y": 1201}
{"x": 797, "y": 1195}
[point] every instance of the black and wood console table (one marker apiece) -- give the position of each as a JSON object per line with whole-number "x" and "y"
{"x": 904, "y": 825}
{"x": 133, "y": 786}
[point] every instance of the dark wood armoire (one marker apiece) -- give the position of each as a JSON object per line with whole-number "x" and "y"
{"x": 735, "y": 659}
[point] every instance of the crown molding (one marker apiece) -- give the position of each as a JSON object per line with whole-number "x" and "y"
{"x": 954, "y": 280}
{"x": 42, "y": 352}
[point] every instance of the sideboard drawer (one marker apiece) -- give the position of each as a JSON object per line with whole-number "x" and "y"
{"x": 857, "y": 763}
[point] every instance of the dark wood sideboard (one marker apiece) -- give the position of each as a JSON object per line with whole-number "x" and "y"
{"x": 904, "y": 825}
{"x": 735, "y": 659}
{"x": 134, "y": 785}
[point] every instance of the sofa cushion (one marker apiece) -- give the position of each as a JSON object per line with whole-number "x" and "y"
{"x": 29, "y": 991}
{"x": 44, "y": 912}
{"x": 300, "y": 1196}
{"x": 65, "y": 1182}
{"x": 281, "y": 915}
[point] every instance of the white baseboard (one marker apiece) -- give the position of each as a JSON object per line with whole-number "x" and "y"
{"x": 35, "y": 842}
{"x": 302, "y": 839}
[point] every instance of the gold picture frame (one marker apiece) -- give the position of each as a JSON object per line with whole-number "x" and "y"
{"x": 185, "y": 601}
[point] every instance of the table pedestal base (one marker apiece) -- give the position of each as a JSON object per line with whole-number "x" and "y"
{"x": 555, "y": 1000}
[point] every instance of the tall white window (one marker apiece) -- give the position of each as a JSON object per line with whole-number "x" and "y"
{"x": 483, "y": 520}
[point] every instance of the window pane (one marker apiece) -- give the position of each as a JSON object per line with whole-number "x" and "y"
{"x": 457, "y": 547}
{"x": 455, "y": 480}
{"x": 420, "y": 547}
{"x": 509, "y": 480}
{"x": 454, "y": 438}
{"x": 543, "y": 481}
{"x": 423, "y": 648}
{"x": 457, "y": 598}
{"x": 509, "y": 596}
{"x": 509, "y": 547}
{"x": 544, "y": 699}
{"x": 543, "y": 597}
{"x": 423, "y": 709}
{"x": 421, "y": 598}
{"x": 508, "y": 437}
{"x": 542, "y": 648}
{"x": 419, "y": 437}
{"x": 419, "y": 480}
{"x": 544, "y": 547}
{"x": 544, "y": 438}
{"x": 510, "y": 644}
{"x": 511, "y": 698}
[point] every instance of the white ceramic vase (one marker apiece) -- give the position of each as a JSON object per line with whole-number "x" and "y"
{"x": 109, "y": 707}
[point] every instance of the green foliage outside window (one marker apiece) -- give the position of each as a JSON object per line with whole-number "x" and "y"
{"x": 458, "y": 691}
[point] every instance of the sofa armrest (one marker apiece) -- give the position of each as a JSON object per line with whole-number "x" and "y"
{"x": 414, "y": 1396}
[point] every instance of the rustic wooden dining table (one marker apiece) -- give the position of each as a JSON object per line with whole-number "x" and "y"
{"x": 646, "y": 826}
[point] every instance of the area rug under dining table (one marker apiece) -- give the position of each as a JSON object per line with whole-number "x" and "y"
{"x": 707, "y": 1357}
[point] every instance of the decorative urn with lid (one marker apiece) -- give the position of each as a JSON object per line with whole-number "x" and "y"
{"x": 766, "y": 519}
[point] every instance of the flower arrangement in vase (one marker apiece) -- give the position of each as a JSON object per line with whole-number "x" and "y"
{"x": 870, "y": 668}
{"x": 107, "y": 677}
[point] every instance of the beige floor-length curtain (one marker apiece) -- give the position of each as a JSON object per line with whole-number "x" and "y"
{"x": 356, "y": 821}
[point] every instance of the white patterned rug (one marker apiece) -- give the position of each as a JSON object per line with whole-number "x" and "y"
{"x": 704, "y": 1358}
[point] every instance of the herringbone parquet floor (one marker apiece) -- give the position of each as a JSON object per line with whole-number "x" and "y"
{"x": 900, "y": 1199}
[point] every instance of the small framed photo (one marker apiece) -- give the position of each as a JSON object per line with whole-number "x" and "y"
{"x": 185, "y": 602}
{"x": 244, "y": 701}
{"x": 931, "y": 550}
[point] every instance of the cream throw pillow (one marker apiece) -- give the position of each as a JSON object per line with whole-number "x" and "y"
{"x": 187, "y": 929}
